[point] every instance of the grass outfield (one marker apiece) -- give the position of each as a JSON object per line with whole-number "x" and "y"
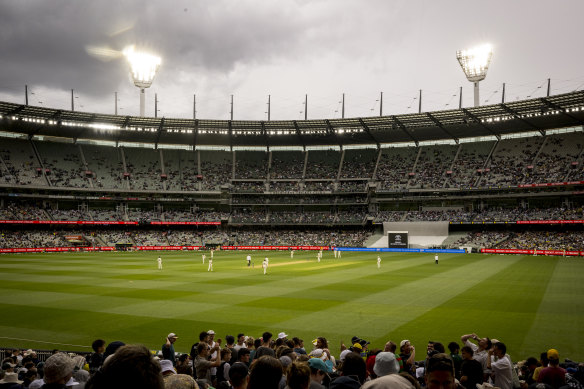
{"x": 66, "y": 301}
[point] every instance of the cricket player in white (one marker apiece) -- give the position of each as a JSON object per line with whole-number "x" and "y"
{"x": 212, "y": 251}
{"x": 265, "y": 264}
{"x": 378, "y": 262}
{"x": 335, "y": 252}
{"x": 318, "y": 256}
{"x": 210, "y": 268}
{"x": 436, "y": 259}
{"x": 292, "y": 254}
{"x": 203, "y": 258}
{"x": 248, "y": 260}
{"x": 159, "y": 260}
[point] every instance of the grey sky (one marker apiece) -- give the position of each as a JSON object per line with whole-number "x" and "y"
{"x": 286, "y": 49}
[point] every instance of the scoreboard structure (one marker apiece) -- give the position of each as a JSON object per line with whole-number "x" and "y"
{"x": 397, "y": 239}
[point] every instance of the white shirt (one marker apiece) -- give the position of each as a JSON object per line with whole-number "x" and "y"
{"x": 501, "y": 368}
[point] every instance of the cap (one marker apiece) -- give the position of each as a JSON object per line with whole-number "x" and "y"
{"x": 282, "y": 335}
{"x": 357, "y": 346}
{"x": 317, "y": 363}
{"x": 211, "y": 332}
{"x": 363, "y": 342}
{"x": 344, "y": 354}
{"x": 385, "y": 363}
{"x": 553, "y": 354}
{"x": 355, "y": 339}
{"x": 172, "y": 335}
{"x": 403, "y": 342}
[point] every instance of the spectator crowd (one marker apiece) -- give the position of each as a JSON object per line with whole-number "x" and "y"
{"x": 285, "y": 362}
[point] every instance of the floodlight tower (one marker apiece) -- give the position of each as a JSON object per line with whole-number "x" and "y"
{"x": 143, "y": 68}
{"x": 475, "y": 63}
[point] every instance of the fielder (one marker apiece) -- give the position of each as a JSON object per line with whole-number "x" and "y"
{"x": 378, "y": 262}
{"x": 292, "y": 254}
{"x": 159, "y": 260}
{"x": 210, "y": 268}
{"x": 265, "y": 265}
{"x": 436, "y": 259}
{"x": 248, "y": 260}
{"x": 203, "y": 258}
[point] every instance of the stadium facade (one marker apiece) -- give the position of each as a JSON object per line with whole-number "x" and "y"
{"x": 509, "y": 168}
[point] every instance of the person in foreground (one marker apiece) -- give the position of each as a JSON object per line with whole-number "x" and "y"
{"x": 131, "y": 366}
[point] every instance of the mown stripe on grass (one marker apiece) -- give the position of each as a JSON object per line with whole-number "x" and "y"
{"x": 501, "y": 306}
{"x": 559, "y": 321}
{"x": 393, "y": 307}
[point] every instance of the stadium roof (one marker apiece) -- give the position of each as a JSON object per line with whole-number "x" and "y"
{"x": 539, "y": 114}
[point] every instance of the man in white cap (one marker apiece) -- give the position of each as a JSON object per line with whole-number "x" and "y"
{"x": 214, "y": 355}
{"x": 168, "y": 348}
{"x": 282, "y": 335}
{"x": 407, "y": 353}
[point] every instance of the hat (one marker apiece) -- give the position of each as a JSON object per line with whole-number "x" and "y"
{"x": 58, "y": 366}
{"x": 357, "y": 346}
{"x": 553, "y": 354}
{"x": 344, "y": 354}
{"x": 166, "y": 365}
{"x": 36, "y": 384}
{"x": 180, "y": 381}
{"x": 402, "y": 343}
{"x": 315, "y": 341}
{"x": 282, "y": 335}
{"x": 394, "y": 381}
{"x": 286, "y": 361}
{"x": 210, "y": 332}
{"x": 11, "y": 378}
{"x": 7, "y": 365}
{"x": 71, "y": 382}
{"x": 112, "y": 347}
{"x": 317, "y": 353}
{"x": 385, "y": 363}
{"x": 172, "y": 335}
{"x": 319, "y": 364}
{"x": 484, "y": 385}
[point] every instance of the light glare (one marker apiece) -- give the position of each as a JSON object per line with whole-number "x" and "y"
{"x": 143, "y": 66}
{"x": 475, "y": 62}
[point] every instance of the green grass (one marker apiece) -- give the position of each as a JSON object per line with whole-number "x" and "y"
{"x": 66, "y": 301}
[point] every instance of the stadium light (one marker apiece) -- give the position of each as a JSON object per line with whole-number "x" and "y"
{"x": 143, "y": 68}
{"x": 475, "y": 63}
